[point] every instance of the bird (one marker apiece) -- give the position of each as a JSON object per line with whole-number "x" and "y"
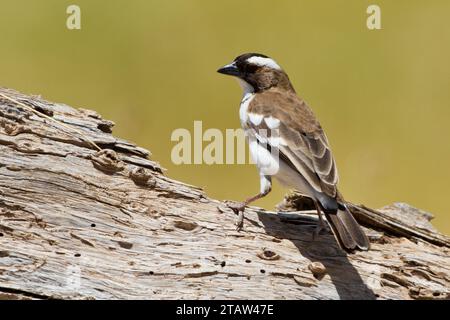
{"x": 287, "y": 142}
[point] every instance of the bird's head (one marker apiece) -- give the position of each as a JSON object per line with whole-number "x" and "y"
{"x": 257, "y": 72}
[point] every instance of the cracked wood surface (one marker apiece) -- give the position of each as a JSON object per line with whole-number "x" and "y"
{"x": 81, "y": 224}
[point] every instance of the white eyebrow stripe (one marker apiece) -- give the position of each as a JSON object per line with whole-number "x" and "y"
{"x": 264, "y": 62}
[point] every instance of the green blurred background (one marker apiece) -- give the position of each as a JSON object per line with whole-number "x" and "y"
{"x": 382, "y": 96}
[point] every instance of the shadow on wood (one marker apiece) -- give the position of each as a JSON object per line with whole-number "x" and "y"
{"x": 323, "y": 249}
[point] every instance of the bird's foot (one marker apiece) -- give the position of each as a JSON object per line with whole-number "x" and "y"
{"x": 238, "y": 208}
{"x": 318, "y": 231}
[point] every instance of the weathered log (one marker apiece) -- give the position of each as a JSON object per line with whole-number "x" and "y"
{"x": 80, "y": 223}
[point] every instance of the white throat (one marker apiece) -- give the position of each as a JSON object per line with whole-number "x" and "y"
{"x": 246, "y": 87}
{"x": 248, "y": 95}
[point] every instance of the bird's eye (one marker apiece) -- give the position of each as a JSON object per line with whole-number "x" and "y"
{"x": 251, "y": 68}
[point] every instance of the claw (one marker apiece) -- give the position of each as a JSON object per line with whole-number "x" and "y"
{"x": 240, "y": 221}
{"x": 239, "y": 210}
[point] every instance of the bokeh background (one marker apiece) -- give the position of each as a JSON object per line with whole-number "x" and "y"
{"x": 382, "y": 96}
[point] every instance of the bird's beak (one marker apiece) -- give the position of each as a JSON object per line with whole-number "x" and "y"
{"x": 230, "y": 69}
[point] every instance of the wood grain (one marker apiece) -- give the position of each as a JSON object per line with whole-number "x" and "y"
{"x": 80, "y": 224}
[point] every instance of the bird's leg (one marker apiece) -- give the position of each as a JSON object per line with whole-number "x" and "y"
{"x": 239, "y": 207}
{"x": 321, "y": 225}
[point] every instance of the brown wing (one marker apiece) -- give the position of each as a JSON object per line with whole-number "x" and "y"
{"x": 302, "y": 139}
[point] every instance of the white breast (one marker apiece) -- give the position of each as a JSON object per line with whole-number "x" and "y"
{"x": 243, "y": 110}
{"x": 266, "y": 162}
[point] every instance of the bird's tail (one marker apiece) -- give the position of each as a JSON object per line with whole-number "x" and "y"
{"x": 347, "y": 231}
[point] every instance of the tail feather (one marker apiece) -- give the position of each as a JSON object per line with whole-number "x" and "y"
{"x": 346, "y": 230}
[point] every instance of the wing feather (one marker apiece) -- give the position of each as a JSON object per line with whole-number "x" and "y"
{"x": 301, "y": 138}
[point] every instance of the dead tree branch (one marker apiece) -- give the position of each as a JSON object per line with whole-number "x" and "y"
{"x": 80, "y": 223}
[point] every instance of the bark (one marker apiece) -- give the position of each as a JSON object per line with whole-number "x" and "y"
{"x": 80, "y": 223}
